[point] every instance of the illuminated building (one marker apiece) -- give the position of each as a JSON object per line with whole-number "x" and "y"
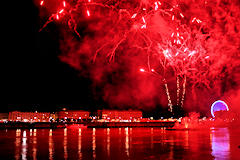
{"x": 29, "y": 116}
{"x": 3, "y": 117}
{"x": 73, "y": 114}
{"x": 116, "y": 114}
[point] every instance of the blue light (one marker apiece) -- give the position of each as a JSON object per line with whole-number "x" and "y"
{"x": 219, "y": 106}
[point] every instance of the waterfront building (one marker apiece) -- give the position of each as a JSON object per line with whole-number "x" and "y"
{"x": 73, "y": 114}
{"x": 119, "y": 114}
{"x": 17, "y": 116}
{"x": 3, "y": 117}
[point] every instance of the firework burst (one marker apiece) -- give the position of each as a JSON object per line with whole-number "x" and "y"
{"x": 180, "y": 40}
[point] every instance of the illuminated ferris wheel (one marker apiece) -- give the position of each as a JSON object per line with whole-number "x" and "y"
{"x": 218, "y": 106}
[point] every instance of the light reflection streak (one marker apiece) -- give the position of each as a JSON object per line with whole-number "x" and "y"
{"x": 94, "y": 143}
{"x": 186, "y": 134}
{"x": 65, "y": 144}
{"x": 80, "y": 143}
{"x": 163, "y": 133}
{"x": 50, "y": 133}
{"x": 24, "y": 146}
{"x": 17, "y": 144}
{"x": 35, "y": 132}
{"x": 130, "y": 137}
{"x": 18, "y": 132}
{"x": 127, "y": 141}
{"x": 171, "y": 153}
{"x": 50, "y": 145}
{"x": 108, "y": 142}
{"x": 220, "y": 143}
{"x": 151, "y": 138}
{"x": 119, "y": 132}
{"x": 163, "y": 130}
{"x": 34, "y": 152}
{"x": 30, "y": 132}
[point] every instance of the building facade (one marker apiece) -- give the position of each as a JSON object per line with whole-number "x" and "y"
{"x": 73, "y": 114}
{"x": 121, "y": 115}
{"x": 29, "y": 116}
{"x": 3, "y": 117}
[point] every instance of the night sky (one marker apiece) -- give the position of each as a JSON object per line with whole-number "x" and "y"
{"x": 32, "y": 76}
{"x": 50, "y": 70}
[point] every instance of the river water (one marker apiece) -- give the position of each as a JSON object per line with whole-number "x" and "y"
{"x": 120, "y": 143}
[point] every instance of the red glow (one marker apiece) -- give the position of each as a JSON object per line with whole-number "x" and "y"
{"x": 88, "y": 13}
{"x": 64, "y": 4}
{"x": 143, "y": 20}
{"x": 134, "y": 15}
{"x": 142, "y": 70}
{"x": 61, "y": 11}
{"x": 41, "y": 3}
{"x": 57, "y": 16}
{"x": 176, "y": 39}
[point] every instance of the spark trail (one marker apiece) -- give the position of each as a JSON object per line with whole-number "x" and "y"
{"x": 185, "y": 40}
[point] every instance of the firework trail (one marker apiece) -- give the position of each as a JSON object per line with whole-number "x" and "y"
{"x": 192, "y": 41}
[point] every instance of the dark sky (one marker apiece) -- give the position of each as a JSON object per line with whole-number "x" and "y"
{"x": 32, "y": 76}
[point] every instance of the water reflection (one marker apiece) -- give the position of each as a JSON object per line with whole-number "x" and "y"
{"x": 220, "y": 143}
{"x": 65, "y": 144}
{"x": 17, "y": 144}
{"x": 50, "y": 145}
{"x": 127, "y": 142}
{"x": 121, "y": 143}
{"x": 24, "y": 146}
{"x": 34, "y": 150}
{"x": 186, "y": 138}
{"x": 119, "y": 134}
{"x": 108, "y": 142}
{"x": 80, "y": 143}
{"x": 94, "y": 143}
{"x": 151, "y": 138}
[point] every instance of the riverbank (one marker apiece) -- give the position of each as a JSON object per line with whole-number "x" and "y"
{"x": 130, "y": 124}
{"x": 22, "y": 125}
{"x": 16, "y": 125}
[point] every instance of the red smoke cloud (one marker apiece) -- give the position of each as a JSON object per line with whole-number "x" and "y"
{"x": 110, "y": 41}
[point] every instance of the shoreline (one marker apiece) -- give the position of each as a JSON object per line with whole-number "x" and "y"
{"x": 54, "y": 125}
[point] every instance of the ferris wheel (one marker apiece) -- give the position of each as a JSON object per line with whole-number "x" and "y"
{"x": 218, "y": 105}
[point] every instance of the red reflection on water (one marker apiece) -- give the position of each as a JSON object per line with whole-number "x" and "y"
{"x": 24, "y": 146}
{"x": 94, "y": 143}
{"x": 127, "y": 142}
{"x": 220, "y": 143}
{"x": 80, "y": 143}
{"x": 34, "y": 150}
{"x": 17, "y": 144}
{"x": 108, "y": 142}
{"x": 120, "y": 143}
{"x": 50, "y": 145}
{"x": 65, "y": 144}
